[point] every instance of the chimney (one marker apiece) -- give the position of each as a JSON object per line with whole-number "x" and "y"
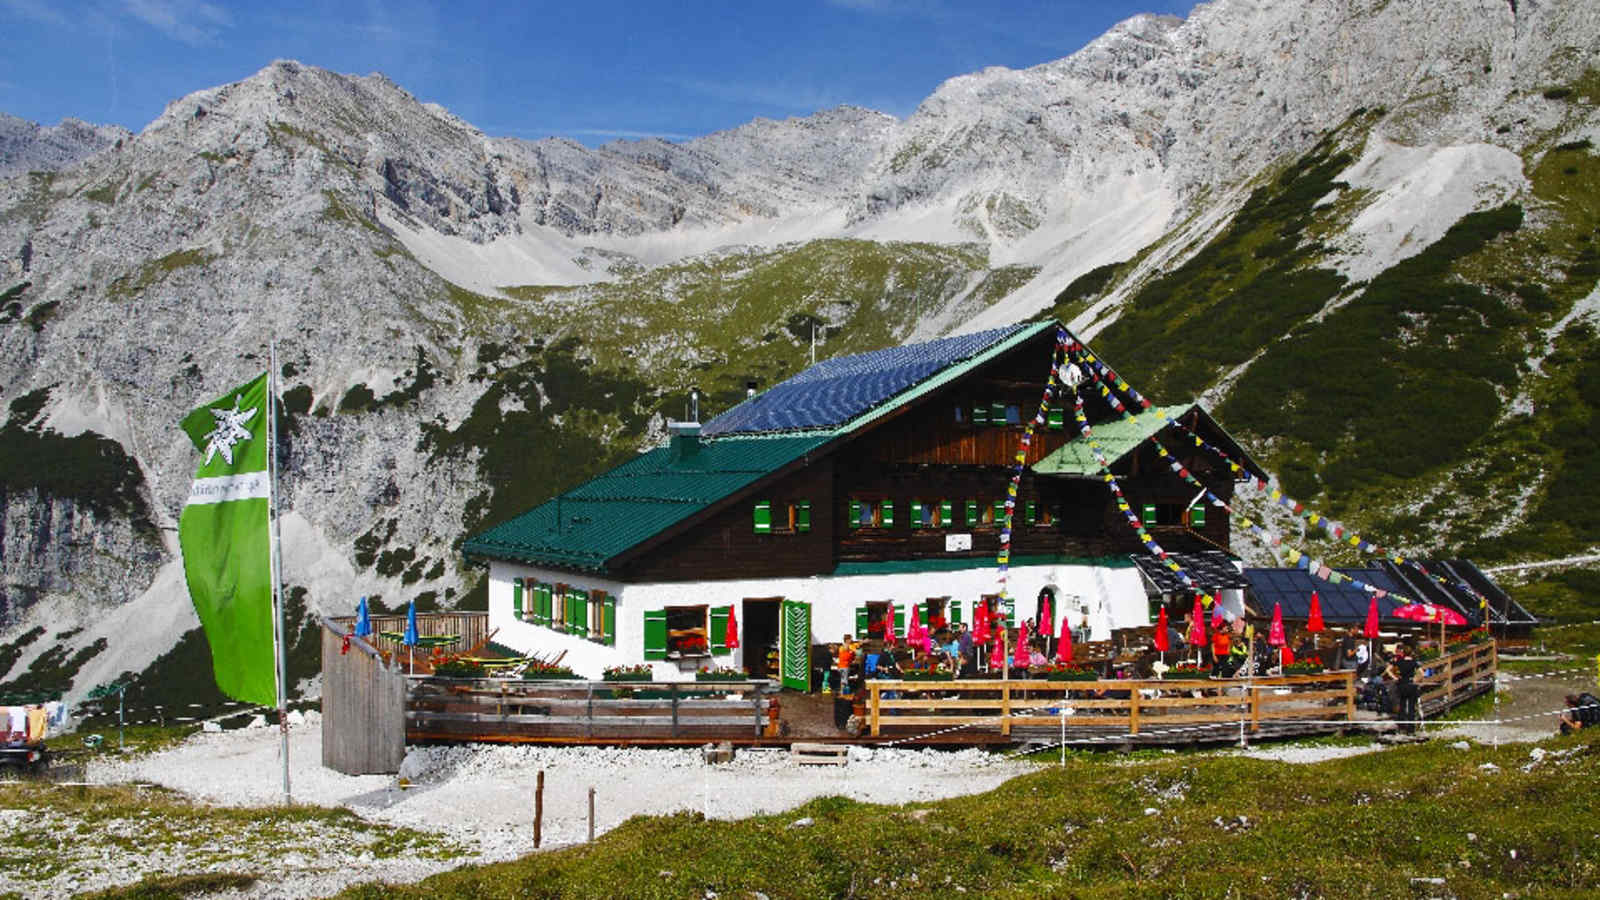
{"x": 685, "y": 442}
{"x": 749, "y": 389}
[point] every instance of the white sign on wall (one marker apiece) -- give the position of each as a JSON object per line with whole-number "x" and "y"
{"x": 955, "y": 542}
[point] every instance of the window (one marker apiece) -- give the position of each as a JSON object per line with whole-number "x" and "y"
{"x": 871, "y": 514}
{"x": 1013, "y": 414}
{"x": 980, "y": 414}
{"x": 597, "y": 616}
{"x": 961, "y": 415}
{"x": 930, "y": 513}
{"x": 935, "y": 612}
{"x": 675, "y": 632}
{"x": 871, "y": 616}
{"x": 790, "y": 518}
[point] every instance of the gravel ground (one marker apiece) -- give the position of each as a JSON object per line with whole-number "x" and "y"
{"x": 478, "y": 800}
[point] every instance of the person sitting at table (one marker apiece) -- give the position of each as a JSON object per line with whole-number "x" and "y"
{"x": 1036, "y": 655}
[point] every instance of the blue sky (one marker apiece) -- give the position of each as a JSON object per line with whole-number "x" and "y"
{"x": 590, "y": 70}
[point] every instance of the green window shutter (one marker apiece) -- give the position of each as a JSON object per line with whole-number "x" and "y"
{"x": 900, "y": 620}
{"x": 763, "y": 517}
{"x": 861, "y": 622}
{"x": 719, "y": 630}
{"x": 1149, "y": 514}
{"x": 947, "y": 515}
{"x": 916, "y": 514}
{"x": 1197, "y": 517}
{"x": 1031, "y": 512}
{"x": 541, "y": 611}
{"x": 655, "y": 634}
{"x": 972, "y": 513}
{"x": 1008, "y": 608}
{"x": 610, "y": 636}
{"x": 953, "y": 609}
{"x": 997, "y": 414}
{"x": 980, "y": 415}
{"x": 887, "y": 510}
{"x": 802, "y": 516}
{"x": 516, "y": 598}
{"x": 1056, "y": 419}
{"x": 855, "y": 513}
{"x": 999, "y": 512}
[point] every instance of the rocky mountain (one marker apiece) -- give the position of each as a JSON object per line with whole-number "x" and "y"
{"x": 1363, "y": 230}
{"x": 30, "y": 147}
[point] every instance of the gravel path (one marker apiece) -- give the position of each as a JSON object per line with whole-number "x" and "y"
{"x": 480, "y": 799}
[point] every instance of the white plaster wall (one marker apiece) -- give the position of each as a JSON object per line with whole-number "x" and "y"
{"x": 1114, "y": 598}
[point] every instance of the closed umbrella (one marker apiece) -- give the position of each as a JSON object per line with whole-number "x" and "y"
{"x": 1019, "y": 657}
{"x": 1064, "y": 646}
{"x": 889, "y": 637}
{"x": 1046, "y": 617}
{"x": 914, "y": 627}
{"x": 1314, "y": 619}
{"x": 997, "y": 656}
{"x": 1197, "y": 624}
{"x": 730, "y": 636}
{"x": 1162, "y": 643}
{"x": 1275, "y": 635}
{"x": 363, "y": 620}
{"x": 1371, "y": 628}
{"x": 410, "y": 639}
{"x": 980, "y": 623}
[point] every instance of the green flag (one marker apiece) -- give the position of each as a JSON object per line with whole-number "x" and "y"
{"x": 223, "y": 533}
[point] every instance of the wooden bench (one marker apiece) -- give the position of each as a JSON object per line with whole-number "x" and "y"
{"x": 820, "y": 754}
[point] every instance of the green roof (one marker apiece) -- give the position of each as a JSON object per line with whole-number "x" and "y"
{"x": 1116, "y": 439}
{"x": 587, "y": 526}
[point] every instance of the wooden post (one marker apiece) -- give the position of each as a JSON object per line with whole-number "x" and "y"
{"x": 1255, "y": 709}
{"x": 538, "y": 809}
{"x": 591, "y": 814}
{"x": 674, "y": 709}
{"x": 1350, "y": 695}
{"x": 588, "y": 731}
{"x": 1133, "y": 710}
{"x": 876, "y": 697}
{"x": 1005, "y": 708}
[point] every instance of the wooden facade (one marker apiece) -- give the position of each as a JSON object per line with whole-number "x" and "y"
{"x": 363, "y": 706}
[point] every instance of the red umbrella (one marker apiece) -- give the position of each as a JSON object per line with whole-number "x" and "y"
{"x": 1020, "y": 657}
{"x": 1045, "y": 617}
{"x": 730, "y": 637}
{"x": 1275, "y": 636}
{"x": 1197, "y": 624}
{"x": 980, "y": 624}
{"x": 1162, "y": 643}
{"x": 1427, "y": 612}
{"x": 1314, "y": 620}
{"x": 1371, "y": 629}
{"x": 1064, "y": 646}
{"x": 914, "y": 628}
{"x": 888, "y": 627}
{"x": 997, "y": 657}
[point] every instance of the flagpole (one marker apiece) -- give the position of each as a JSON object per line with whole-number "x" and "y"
{"x": 275, "y": 563}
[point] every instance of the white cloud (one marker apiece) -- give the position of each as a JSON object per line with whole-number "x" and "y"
{"x": 189, "y": 21}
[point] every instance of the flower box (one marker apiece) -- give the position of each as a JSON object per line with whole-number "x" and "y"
{"x": 1087, "y": 675}
{"x": 926, "y": 675}
{"x": 722, "y": 675}
{"x": 1303, "y": 668}
{"x": 552, "y": 673}
{"x": 1187, "y": 673}
{"x": 628, "y": 673}
{"x": 458, "y": 669}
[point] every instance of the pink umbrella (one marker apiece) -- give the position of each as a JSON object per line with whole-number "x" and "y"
{"x": 889, "y": 637}
{"x": 1371, "y": 629}
{"x": 1427, "y": 612}
{"x": 980, "y": 625}
{"x": 1197, "y": 626}
{"x": 730, "y": 636}
{"x": 1020, "y": 657}
{"x": 1064, "y": 646}
{"x": 1275, "y": 636}
{"x": 997, "y": 657}
{"x": 1162, "y": 644}
{"x": 1045, "y": 617}
{"x": 914, "y": 627}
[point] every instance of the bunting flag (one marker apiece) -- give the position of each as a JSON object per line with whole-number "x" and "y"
{"x": 1020, "y": 460}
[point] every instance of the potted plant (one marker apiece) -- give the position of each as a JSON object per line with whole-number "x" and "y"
{"x": 641, "y": 672}
{"x": 545, "y": 672}
{"x": 722, "y": 675}
{"x": 1188, "y": 672}
{"x": 1066, "y": 672}
{"x": 454, "y": 667}
{"x": 1311, "y": 665}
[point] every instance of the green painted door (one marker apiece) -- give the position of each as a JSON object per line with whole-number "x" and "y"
{"x": 794, "y": 645}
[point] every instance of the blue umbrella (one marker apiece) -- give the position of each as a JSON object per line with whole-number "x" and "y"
{"x": 363, "y": 620}
{"x": 411, "y": 625}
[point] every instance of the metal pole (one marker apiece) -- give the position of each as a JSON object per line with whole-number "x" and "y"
{"x": 275, "y": 564}
{"x": 591, "y": 814}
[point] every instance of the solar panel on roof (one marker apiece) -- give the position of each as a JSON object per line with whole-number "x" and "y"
{"x": 833, "y": 392}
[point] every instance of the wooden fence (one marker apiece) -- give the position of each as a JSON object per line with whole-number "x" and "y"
{"x": 363, "y": 706}
{"x": 491, "y": 709}
{"x": 1124, "y": 705}
{"x": 472, "y": 627}
{"x": 1450, "y": 680}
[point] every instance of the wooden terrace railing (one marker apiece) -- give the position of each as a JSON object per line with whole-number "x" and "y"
{"x": 487, "y": 709}
{"x": 1127, "y": 705}
{"x": 1456, "y": 677}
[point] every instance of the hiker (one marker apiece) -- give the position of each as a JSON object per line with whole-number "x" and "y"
{"x": 1583, "y": 711}
{"x": 1403, "y": 669}
{"x": 1221, "y": 648}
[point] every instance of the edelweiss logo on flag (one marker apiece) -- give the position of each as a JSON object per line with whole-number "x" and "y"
{"x": 229, "y": 430}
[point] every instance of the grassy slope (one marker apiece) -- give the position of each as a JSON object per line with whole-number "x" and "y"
{"x": 1356, "y": 827}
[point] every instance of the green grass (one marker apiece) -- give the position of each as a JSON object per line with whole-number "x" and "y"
{"x": 1222, "y": 826}
{"x": 174, "y": 887}
{"x": 156, "y": 271}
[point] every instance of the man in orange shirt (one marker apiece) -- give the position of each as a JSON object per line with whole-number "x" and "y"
{"x": 1221, "y": 644}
